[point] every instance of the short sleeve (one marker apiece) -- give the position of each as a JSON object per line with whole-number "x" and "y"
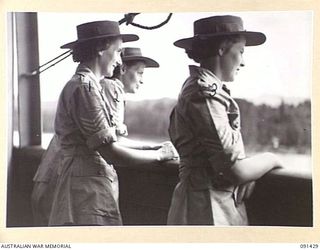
{"x": 222, "y": 142}
{"x": 91, "y": 116}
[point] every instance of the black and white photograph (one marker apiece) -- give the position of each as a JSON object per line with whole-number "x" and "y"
{"x": 165, "y": 119}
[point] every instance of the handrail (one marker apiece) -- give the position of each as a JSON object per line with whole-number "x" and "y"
{"x": 301, "y": 173}
{"x": 146, "y": 192}
{"x": 287, "y": 171}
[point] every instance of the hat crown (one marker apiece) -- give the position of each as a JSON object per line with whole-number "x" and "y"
{"x": 99, "y": 30}
{"x": 96, "y": 29}
{"x": 218, "y": 24}
{"x": 129, "y": 52}
{"x": 134, "y": 54}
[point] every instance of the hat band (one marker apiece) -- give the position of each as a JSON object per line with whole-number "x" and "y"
{"x": 221, "y": 28}
{"x": 131, "y": 52}
{"x": 97, "y": 31}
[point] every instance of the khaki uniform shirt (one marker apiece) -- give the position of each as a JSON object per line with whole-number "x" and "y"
{"x": 205, "y": 129}
{"x": 86, "y": 192}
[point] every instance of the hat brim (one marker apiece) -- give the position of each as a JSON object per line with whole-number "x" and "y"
{"x": 124, "y": 37}
{"x": 150, "y": 63}
{"x": 252, "y": 38}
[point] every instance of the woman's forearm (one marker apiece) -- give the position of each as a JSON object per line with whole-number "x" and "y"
{"x": 118, "y": 154}
{"x": 135, "y": 144}
{"x": 253, "y": 168}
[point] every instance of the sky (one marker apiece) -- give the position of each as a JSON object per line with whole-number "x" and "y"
{"x": 280, "y": 69}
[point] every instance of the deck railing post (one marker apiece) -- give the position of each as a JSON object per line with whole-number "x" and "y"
{"x": 29, "y": 104}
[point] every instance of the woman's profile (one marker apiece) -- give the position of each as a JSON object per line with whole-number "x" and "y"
{"x": 86, "y": 138}
{"x": 215, "y": 174}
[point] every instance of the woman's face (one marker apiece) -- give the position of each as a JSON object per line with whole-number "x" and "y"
{"x": 132, "y": 77}
{"x": 110, "y": 58}
{"x": 231, "y": 60}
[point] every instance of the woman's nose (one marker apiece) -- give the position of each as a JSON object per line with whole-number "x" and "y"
{"x": 141, "y": 80}
{"x": 242, "y": 64}
{"x": 119, "y": 60}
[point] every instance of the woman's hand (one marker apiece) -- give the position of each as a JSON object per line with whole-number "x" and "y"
{"x": 155, "y": 146}
{"x": 167, "y": 152}
{"x": 278, "y": 163}
{"x": 244, "y": 192}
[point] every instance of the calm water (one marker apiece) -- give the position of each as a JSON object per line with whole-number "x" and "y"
{"x": 296, "y": 160}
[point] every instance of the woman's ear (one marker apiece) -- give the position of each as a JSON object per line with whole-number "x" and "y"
{"x": 107, "y": 46}
{"x": 123, "y": 69}
{"x": 102, "y": 48}
{"x": 100, "y": 53}
{"x": 221, "y": 51}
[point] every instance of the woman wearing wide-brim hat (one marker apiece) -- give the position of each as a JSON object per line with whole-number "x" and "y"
{"x": 127, "y": 79}
{"x": 215, "y": 175}
{"x": 86, "y": 140}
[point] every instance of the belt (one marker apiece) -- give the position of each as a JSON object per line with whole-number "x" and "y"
{"x": 201, "y": 173}
{"x": 94, "y": 170}
{"x": 199, "y": 161}
{"x": 87, "y": 162}
{"x": 78, "y": 150}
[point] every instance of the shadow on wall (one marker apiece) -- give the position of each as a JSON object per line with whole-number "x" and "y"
{"x": 281, "y": 201}
{"x": 24, "y": 165}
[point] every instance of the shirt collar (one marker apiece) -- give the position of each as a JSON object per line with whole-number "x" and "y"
{"x": 113, "y": 81}
{"x": 119, "y": 84}
{"x": 87, "y": 72}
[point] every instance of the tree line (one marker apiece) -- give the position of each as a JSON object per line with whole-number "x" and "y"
{"x": 286, "y": 127}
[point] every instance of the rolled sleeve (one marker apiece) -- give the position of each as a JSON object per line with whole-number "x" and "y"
{"x": 91, "y": 116}
{"x": 104, "y": 136}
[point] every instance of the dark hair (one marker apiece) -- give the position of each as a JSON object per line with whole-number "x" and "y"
{"x": 89, "y": 50}
{"x": 204, "y": 48}
{"x": 116, "y": 72}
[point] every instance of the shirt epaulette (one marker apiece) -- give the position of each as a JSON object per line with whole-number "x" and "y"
{"x": 84, "y": 78}
{"x": 207, "y": 89}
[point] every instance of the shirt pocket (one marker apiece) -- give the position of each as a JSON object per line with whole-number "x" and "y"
{"x": 93, "y": 165}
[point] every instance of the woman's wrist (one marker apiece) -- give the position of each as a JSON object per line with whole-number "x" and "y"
{"x": 274, "y": 159}
{"x": 150, "y": 147}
